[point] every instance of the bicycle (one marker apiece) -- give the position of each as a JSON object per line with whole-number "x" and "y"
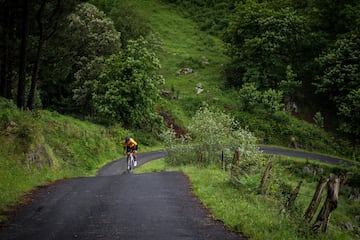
{"x": 130, "y": 161}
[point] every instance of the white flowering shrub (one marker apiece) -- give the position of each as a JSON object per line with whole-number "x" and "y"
{"x": 179, "y": 150}
{"x": 211, "y": 134}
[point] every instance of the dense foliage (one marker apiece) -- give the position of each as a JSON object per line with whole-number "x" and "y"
{"x": 268, "y": 38}
{"x": 69, "y": 50}
{"x": 121, "y": 92}
{"x": 306, "y": 49}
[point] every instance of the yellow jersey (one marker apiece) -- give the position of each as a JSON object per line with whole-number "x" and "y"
{"x": 131, "y": 143}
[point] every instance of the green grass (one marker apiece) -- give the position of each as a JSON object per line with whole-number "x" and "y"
{"x": 258, "y": 216}
{"x": 40, "y": 147}
{"x": 185, "y": 46}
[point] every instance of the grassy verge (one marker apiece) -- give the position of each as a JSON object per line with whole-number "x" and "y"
{"x": 263, "y": 216}
{"x": 40, "y": 147}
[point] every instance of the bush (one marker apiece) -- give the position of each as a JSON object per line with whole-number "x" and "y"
{"x": 211, "y": 133}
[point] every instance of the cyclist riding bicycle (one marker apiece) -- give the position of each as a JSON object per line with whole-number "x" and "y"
{"x": 130, "y": 146}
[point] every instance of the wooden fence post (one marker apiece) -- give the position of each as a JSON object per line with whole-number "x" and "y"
{"x": 200, "y": 158}
{"x": 293, "y": 196}
{"x": 223, "y": 167}
{"x": 316, "y": 199}
{"x": 265, "y": 177}
{"x": 235, "y": 164}
{"x": 330, "y": 205}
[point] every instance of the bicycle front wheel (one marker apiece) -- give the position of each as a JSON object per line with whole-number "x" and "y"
{"x": 130, "y": 163}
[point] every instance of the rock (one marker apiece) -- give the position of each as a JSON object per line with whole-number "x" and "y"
{"x": 199, "y": 89}
{"x": 167, "y": 94}
{"x": 184, "y": 71}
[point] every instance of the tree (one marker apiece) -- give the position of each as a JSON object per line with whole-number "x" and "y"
{"x": 262, "y": 43}
{"x": 75, "y": 59}
{"x": 339, "y": 72}
{"x": 290, "y": 87}
{"x": 349, "y": 111}
{"x": 127, "y": 89}
{"x": 23, "y": 55}
{"x": 48, "y": 16}
{"x": 7, "y": 46}
{"x": 24, "y": 29}
{"x": 249, "y": 97}
{"x": 97, "y": 39}
{"x": 272, "y": 100}
{"x": 130, "y": 23}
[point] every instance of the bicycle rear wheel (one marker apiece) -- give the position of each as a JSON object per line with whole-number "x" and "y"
{"x": 130, "y": 163}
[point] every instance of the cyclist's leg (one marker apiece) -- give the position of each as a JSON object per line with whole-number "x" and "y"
{"x": 134, "y": 157}
{"x": 128, "y": 150}
{"x": 128, "y": 161}
{"x": 135, "y": 152}
{"x": 132, "y": 162}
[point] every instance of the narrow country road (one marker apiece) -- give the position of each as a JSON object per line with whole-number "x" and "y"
{"x": 305, "y": 155}
{"x": 114, "y": 205}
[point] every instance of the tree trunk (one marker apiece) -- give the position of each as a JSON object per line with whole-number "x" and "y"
{"x": 36, "y": 69}
{"x": 23, "y": 56}
{"x": 223, "y": 161}
{"x": 4, "y": 49}
{"x": 7, "y": 38}
{"x": 46, "y": 31}
{"x": 235, "y": 172}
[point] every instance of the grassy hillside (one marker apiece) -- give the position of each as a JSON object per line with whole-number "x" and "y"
{"x": 39, "y": 147}
{"x": 185, "y": 46}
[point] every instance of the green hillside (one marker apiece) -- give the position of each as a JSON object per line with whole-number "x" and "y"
{"x": 184, "y": 45}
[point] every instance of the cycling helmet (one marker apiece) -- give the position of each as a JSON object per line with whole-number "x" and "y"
{"x": 127, "y": 138}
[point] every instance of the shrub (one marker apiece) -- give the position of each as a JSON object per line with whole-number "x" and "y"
{"x": 211, "y": 133}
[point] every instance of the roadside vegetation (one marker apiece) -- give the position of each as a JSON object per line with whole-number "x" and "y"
{"x": 227, "y": 174}
{"x": 257, "y": 216}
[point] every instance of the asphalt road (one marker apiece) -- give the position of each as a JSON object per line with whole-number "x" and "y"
{"x": 114, "y": 205}
{"x": 305, "y": 155}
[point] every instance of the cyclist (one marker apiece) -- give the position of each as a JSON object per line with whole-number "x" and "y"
{"x": 130, "y": 145}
